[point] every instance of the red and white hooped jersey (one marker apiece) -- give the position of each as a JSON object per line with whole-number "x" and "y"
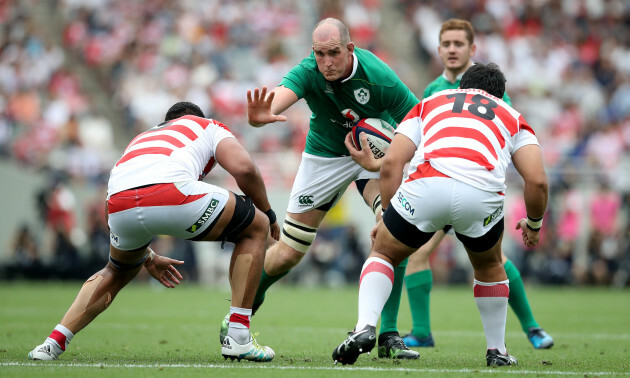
{"x": 465, "y": 134}
{"x": 175, "y": 151}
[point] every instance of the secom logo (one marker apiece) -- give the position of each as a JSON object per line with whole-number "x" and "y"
{"x": 405, "y": 204}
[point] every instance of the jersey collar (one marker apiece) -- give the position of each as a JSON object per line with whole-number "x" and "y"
{"x": 355, "y": 64}
{"x": 458, "y": 77}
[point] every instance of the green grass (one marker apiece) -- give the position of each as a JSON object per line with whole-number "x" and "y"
{"x": 156, "y": 333}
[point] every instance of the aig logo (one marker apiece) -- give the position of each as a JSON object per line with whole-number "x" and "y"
{"x": 405, "y": 204}
{"x": 306, "y": 200}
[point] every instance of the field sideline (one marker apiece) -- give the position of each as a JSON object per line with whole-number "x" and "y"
{"x": 153, "y": 332}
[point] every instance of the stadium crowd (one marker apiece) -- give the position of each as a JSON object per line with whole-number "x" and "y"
{"x": 565, "y": 61}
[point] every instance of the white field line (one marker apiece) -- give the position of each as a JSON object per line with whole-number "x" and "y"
{"x": 323, "y": 368}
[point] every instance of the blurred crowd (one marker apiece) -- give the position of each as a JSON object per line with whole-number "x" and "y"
{"x": 565, "y": 61}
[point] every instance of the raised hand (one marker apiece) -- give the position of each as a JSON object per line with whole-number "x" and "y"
{"x": 259, "y": 108}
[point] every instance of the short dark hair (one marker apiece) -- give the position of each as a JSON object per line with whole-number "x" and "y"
{"x": 181, "y": 109}
{"x": 487, "y": 77}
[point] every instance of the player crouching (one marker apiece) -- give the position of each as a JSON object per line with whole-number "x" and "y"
{"x": 156, "y": 189}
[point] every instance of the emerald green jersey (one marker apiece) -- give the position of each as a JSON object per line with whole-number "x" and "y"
{"x": 441, "y": 83}
{"x": 373, "y": 90}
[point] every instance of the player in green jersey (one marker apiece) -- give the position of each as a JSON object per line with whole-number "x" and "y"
{"x": 341, "y": 84}
{"x": 456, "y": 50}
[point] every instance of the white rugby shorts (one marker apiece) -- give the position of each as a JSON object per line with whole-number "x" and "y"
{"x": 430, "y": 203}
{"x": 319, "y": 180}
{"x": 183, "y": 210}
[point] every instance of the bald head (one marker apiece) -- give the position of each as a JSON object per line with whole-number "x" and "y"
{"x": 332, "y": 49}
{"x": 331, "y": 29}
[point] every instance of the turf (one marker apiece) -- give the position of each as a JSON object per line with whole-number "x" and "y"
{"x": 155, "y": 333}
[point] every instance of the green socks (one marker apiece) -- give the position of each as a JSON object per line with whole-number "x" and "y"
{"x": 265, "y": 283}
{"x": 389, "y": 315}
{"x": 518, "y": 299}
{"x": 419, "y": 286}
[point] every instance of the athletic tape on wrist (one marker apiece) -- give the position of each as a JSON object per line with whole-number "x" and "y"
{"x": 271, "y": 215}
{"x": 534, "y": 224}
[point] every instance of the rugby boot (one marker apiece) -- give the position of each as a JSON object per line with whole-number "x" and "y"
{"x": 358, "y": 342}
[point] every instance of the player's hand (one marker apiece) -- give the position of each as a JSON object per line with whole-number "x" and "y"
{"x": 530, "y": 237}
{"x": 364, "y": 157}
{"x": 274, "y": 230}
{"x": 162, "y": 269}
{"x": 374, "y": 231}
{"x": 259, "y": 108}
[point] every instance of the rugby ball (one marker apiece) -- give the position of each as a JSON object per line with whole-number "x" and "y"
{"x": 379, "y": 135}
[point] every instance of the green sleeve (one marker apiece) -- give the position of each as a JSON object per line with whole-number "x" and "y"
{"x": 399, "y": 100}
{"x": 298, "y": 80}
{"x": 507, "y": 99}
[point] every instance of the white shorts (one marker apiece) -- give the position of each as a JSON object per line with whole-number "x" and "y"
{"x": 430, "y": 203}
{"x": 183, "y": 210}
{"x": 323, "y": 180}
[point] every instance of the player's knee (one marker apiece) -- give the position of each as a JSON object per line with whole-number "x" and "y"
{"x": 284, "y": 258}
{"x": 297, "y": 235}
{"x": 258, "y": 229}
{"x": 119, "y": 268}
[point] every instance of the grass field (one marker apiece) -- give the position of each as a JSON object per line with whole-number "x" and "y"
{"x": 156, "y": 333}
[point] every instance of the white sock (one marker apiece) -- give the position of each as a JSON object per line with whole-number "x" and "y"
{"x": 492, "y": 301}
{"x": 60, "y": 338}
{"x": 239, "y": 324}
{"x": 375, "y": 285}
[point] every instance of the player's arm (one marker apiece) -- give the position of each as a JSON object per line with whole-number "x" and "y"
{"x": 398, "y": 154}
{"x": 529, "y": 163}
{"x": 263, "y": 109}
{"x": 233, "y": 157}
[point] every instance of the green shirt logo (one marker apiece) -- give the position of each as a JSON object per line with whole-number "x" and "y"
{"x": 362, "y": 95}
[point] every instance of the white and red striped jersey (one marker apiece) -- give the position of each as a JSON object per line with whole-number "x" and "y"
{"x": 175, "y": 151}
{"x": 465, "y": 134}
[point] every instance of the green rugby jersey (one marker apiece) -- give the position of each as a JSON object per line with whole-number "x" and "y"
{"x": 441, "y": 83}
{"x": 373, "y": 90}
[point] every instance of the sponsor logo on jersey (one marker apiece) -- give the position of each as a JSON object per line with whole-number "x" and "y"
{"x": 205, "y": 216}
{"x": 346, "y": 125}
{"x": 305, "y": 200}
{"x": 114, "y": 239}
{"x": 405, "y": 204}
{"x": 362, "y": 95}
{"x": 493, "y": 216}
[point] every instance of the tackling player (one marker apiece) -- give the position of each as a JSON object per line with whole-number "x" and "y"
{"x": 155, "y": 189}
{"x": 458, "y": 144}
{"x": 456, "y": 50}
